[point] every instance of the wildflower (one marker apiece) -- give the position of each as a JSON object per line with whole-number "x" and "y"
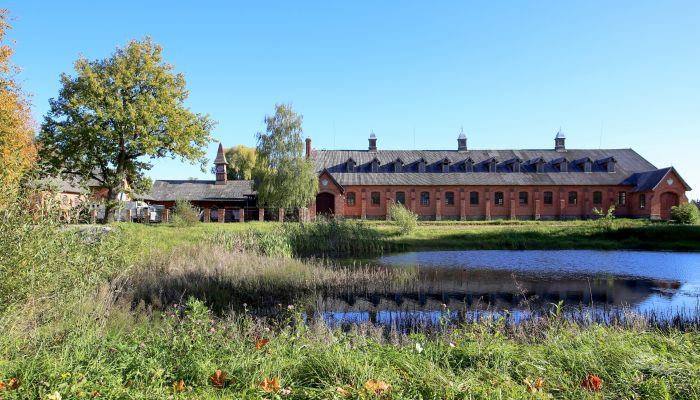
{"x": 377, "y": 387}
{"x": 444, "y": 305}
{"x": 212, "y": 330}
{"x": 54, "y": 396}
{"x": 419, "y": 348}
{"x": 534, "y": 387}
{"x": 13, "y": 384}
{"x": 592, "y": 383}
{"x": 494, "y": 382}
{"x": 260, "y": 343}
{"x": 452, "y": 345}
{"x": 342, "y": 392}
{"x": 270, "y": 385}
{"x": 286, "y": 391}
{"x": 290, "y": 307}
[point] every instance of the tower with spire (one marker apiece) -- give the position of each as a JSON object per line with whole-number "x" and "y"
{"x": 559, "y": 141}
{"x": 220, "y": 166}
{"x": 462, "y": 141}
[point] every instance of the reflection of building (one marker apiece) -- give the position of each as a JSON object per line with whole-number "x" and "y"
{"x": 464, "y": 184}
{"x": 220, "y": 200}
{"x": 471, "y": 289}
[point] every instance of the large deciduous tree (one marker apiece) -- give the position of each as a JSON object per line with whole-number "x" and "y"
{"x": 118, "y": 113}
{"x": 284, "y": 178}
{"x": 17, "y": 150}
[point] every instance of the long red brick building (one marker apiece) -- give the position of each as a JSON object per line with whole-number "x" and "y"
{"x": 465, "y": 184}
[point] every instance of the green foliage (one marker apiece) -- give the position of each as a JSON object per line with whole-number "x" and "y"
{"x": 403, "y": 218}
{"x": 685, "y": 214}
{"x": 116, "y": 113}
{"x": 184, "y": 214}
{"x": 284, "y": 178}
{"x": 241, "y": 162}
{"x": 606, "y": 219}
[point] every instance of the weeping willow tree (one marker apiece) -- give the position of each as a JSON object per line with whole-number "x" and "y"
{"x": 284, "y": 178}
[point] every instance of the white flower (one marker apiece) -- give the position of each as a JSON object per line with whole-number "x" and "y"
{"x": 419, "y": 348}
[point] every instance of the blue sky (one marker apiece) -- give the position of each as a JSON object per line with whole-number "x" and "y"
{"x": 615, "y": 74}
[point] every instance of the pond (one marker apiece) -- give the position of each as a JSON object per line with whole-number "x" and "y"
{"x": 457, "y": 284}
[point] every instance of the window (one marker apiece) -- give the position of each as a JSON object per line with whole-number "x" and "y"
{"x": 523, "y": 198}
{"x": 398, "y": 166}
{"x": 573, "y": 198}
{"x": 469, "y": 166}
{"x": 498, "y": 198}
{"x": 622, "y": 198}
{"x": 597, "y": 197}
{"x": 400, "y": 198}
{"x": 473, "y": 198}
{"x": 449, "y": 198}
{"x": 375, "y": 198}
{"x": 374, "y": 166}
{"x": 350, "y": 165}
{"x": 548, "y": 198}
{"x": 421, "y": 166}
{"x": 350, "y": 199}
{"x": 424, "y": 198}
{"x": 642, "y": 201}
{"x": 445, "y": 166}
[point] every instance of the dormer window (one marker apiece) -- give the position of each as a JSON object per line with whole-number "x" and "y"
{"x": 350, "y": 165}
{"x": 539, "y": 164}
{"x": 398, "y": 165}
{"x": 585, "y": 163}
{"x": 421, "y": 165}
{"x": 445, "y": 165}
{"x": 562, "y": 164}
{"x": 374, "y": 165}
{"x": 514, "y": 164}
{"x": 609, "y": 164}
{"x": 491, "y": 164}
{"x": 468, "y": 165}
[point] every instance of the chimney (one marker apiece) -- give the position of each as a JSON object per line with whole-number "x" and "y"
{"x": 462, "y": 141}
{"x": 308, "y": 148}
{"x": 372, "y": 142}
{"x": 559, "y": 142}
{"x": 220, "y": 164}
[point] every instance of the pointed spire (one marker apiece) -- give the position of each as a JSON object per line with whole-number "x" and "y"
{"x": 220, "y": 156}
{"x": 461, "y": 133}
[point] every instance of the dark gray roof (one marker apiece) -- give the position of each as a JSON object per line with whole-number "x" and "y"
{"x": 628, "y": 163}
{"x": 647, "y": 181}
{"x": 200, "y": 190}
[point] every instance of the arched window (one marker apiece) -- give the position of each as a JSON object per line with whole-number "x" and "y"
{"x": 424, "y": 198}
{"x": 350, "y": 199}
{"x": 400, "y": 198}
{"x": 449, "y": 198}
{"x": 573, "y": 198}
{"x": 376, "y": 198}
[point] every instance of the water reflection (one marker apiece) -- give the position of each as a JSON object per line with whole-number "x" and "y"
{"x": 492, "y": 281}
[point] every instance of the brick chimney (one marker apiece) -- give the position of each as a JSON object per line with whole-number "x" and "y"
{"x": 308, "y": 148}
{"x": 372, "y": 142}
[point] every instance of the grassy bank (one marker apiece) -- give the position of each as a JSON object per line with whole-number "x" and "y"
{"x": 84, "y": 314}
{"x": 452, "y": 235}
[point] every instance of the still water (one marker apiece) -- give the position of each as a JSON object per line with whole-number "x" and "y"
{"x": 456, "y": 283}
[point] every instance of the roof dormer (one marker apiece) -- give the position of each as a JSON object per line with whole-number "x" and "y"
{"x": 374, "y": 165}
{"x": 398, "y": 165}
{"x": 350, "y": 165}
{"x": 562, "y": 164}
{"x": 421, "y": 164}
{"x": 491, "y": 164}
{"x": 468, "y": 165}
{"x": 539, "y": 163}
{"x": 609, "y": 164}
{"x": 445, "y": 164}
{"x": 585, "y": 163}
{"x": 514, "y": 164}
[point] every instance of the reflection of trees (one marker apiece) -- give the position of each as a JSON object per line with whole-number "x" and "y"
{"x": 462, "y": 289}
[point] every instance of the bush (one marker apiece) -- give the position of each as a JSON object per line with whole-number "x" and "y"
{"x": 685, "y": 214}
{"x": 184, "y": 215}
{"x": 403, "y": 218}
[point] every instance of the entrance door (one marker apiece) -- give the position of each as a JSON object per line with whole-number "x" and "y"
{"x": 325, "y": 204}
{"x": 668, "y": 200}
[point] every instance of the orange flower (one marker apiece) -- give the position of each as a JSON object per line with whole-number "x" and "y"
{"x": 12, "y": 384}
{"x": 377, "y": 387}
{"x": 260, "y": 343}
{"x": 270, "y": 385}
{"x": 2, "y": 386}
{"x": 592, "y": 382}
{"x": 494, "y": 382}
{"x": 534, "y": 387}
{"x": 179, "y": 386}
{"x": 218, "y": 379}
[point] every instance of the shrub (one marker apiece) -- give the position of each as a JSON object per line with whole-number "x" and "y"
{"x": 185, "y": 215}
{"x": 403, "y": 218}
{"x": 685, "y": 214}
{"x": 606, "y": 219}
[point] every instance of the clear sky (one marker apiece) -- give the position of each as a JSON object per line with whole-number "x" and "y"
{"x": 613, "y": 74}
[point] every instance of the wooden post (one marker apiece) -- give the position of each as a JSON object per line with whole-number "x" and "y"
{"x": 93, "y": 216}
{"x": 207, "y": 215}
{"x": 146, "y": 215}
{"x": 280, "y": 215}
{"x": 261, "y": 214}
{"x": 241, "y": 214}
{"x": 222, "y": 215}
{"x": 166, "y": 215}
